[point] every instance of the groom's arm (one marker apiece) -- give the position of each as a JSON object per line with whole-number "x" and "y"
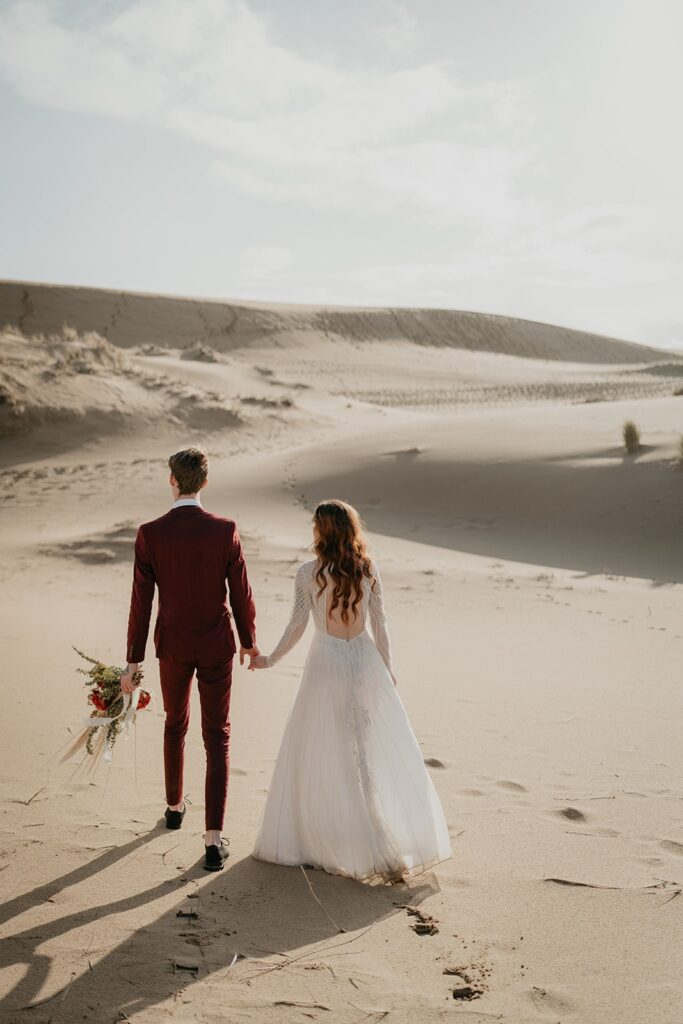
{"x": 140, "y": 601}
{"x": 241, "y": 597}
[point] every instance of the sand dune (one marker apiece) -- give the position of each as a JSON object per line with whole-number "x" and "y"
{"x": 131, "y": 362}
{"x": 533, "y": 585}
{"x": 129, "y": 319}
{"x": 61, "y": 390}
{"x": 543, "y": 486}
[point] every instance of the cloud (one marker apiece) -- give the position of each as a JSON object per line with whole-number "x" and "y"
{"x": 399, "y": 29}
{"x": 553, "y": 194}
{"x": 262, "y": 262}
{"x": 281, "y": 126}
{"x": 426, "y": 179}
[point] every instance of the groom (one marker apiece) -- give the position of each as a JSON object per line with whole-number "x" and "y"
{"x": 189, "y": 554}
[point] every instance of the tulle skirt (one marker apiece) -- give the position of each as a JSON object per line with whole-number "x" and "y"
{"x": 350, "y": 792}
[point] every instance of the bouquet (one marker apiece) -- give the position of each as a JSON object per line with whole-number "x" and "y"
{"x": 112, "y": 712}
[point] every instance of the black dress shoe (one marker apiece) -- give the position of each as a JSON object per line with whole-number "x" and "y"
{"x": 174, "y": 819}
{"x": 216, "y": 856}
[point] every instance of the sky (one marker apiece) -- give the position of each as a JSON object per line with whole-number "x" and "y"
{"x": 520, "y": 157}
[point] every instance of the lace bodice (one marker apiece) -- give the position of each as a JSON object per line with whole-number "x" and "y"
{"x": 306, "y": 600}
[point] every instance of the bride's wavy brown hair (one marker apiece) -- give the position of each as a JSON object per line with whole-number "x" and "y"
{"x": 342, "y": 551}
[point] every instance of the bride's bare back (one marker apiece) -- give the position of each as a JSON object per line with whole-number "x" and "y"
{"x": 335, "y": 624}
{"x": 307, "y": 600}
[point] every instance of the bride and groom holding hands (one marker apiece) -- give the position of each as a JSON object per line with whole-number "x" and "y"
{"x": 350, "y": 793}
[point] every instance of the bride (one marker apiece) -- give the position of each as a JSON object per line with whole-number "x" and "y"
{"x": 350, "y": 792}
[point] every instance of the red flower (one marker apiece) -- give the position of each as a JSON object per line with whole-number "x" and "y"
{"x": 97, "y": 700}
{"x": 144, "y": 699}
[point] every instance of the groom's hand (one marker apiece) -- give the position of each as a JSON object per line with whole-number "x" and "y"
{"x": 127, "y": 684}
{"x": 251, "y": 651}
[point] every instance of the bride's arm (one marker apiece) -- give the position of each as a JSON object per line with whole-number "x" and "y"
{"x": 295, "y": 628}
{"x": 378, "y": 621}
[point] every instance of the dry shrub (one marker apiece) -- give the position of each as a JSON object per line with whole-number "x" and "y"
{"x": 631, "y": 435}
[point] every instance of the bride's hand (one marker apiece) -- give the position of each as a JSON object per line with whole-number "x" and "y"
{"x": 258, "y": 661}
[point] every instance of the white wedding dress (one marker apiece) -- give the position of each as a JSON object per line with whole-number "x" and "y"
{"x": 350, "y": 792}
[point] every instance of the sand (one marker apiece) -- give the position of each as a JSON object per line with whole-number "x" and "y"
{"x": 532, "y": 575}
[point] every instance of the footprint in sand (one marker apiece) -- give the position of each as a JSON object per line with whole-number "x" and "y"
{"x": 545, "y": 1000}
{"x": 571, "y": 813}
{"x": 651, "y": 861}
{"x": 469, "y": 981}
{"x": 672, "y": 846}
{"x": 424, "y": 924}
{"x": 466, "y": 992}
{"x": 514, "y": 787}
{"x": 407, "y": 453}
{"x": 433, "y": 762}
{"x": 113, "y": 545}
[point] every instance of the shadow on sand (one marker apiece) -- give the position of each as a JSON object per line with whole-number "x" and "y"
{"x": 251, "y": 908}
{"x": 574, "y": 512}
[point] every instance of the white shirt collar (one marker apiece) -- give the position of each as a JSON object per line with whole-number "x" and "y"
{"x": 186, "y": 501}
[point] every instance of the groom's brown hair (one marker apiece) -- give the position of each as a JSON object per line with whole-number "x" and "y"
{"x": 190, "y": 467}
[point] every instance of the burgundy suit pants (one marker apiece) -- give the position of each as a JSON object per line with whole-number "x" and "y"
{"x": 214, "y": 682}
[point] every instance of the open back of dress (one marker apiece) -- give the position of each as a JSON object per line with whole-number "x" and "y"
{"x": 334, "y": 624}
{"x": 307, "y": 601}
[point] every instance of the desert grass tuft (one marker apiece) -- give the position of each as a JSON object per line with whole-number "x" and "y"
{"x": 678, "y": 461}
{"x": 631, "y": 435}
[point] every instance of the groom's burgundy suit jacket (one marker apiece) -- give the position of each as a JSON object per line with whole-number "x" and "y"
{"x": 190, "y": 555}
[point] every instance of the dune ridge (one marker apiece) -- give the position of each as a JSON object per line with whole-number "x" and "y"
{"x": 129, "y": 319}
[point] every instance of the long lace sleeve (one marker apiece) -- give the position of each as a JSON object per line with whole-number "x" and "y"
{"x": 378, "y": 619}
{"x": 298, "y": 619}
